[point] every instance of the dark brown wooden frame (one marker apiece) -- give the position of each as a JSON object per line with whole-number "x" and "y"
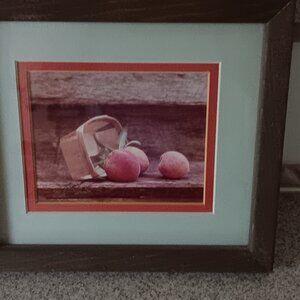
{"x": 277, "y": 16}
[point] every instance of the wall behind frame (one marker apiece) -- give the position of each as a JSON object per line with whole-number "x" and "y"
{"x": 291, "y": 153}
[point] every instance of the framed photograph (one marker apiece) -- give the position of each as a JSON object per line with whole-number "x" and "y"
{"x": 144, "y": 137}
{"x": 74, "y": 114}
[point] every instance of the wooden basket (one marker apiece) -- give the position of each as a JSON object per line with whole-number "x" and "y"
{"x": 84, "y": 148}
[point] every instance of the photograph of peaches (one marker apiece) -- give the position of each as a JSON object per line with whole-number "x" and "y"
{"x": 119, "y": 136}
{"x": 99, "y": 149}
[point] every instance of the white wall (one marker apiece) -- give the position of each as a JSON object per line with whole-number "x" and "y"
{"x": 292, "y": 132}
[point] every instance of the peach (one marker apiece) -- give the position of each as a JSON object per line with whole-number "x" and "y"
{"x": 173, "y": 165}
{"x": 141, "y": 157}
{"x": 122, "y": 166}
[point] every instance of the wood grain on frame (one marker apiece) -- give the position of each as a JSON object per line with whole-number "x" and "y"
{"x": 130, "y": 258}
{"x": 141, "y": 10}
{"x": 270, "y": 135}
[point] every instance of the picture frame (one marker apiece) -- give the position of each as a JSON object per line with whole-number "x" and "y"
{"x": 152, "y": 193}
{"x": 257, "y": 256}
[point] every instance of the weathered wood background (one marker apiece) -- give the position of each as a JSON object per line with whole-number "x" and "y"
{"x": 165, "y": 111}
{"x": 118, "y": 88}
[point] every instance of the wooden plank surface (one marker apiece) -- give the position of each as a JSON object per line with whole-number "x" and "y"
{"x": 112, "y": 88}
{"x": 148, "y": 186}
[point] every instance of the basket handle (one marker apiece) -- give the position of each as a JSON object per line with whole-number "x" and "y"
{"x": 112, "y": 123}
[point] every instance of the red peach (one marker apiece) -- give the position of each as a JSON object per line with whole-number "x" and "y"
{"x": 141, "y": 157}
{"x": 122, "y": 166}
{"x": 173, "y": 165}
